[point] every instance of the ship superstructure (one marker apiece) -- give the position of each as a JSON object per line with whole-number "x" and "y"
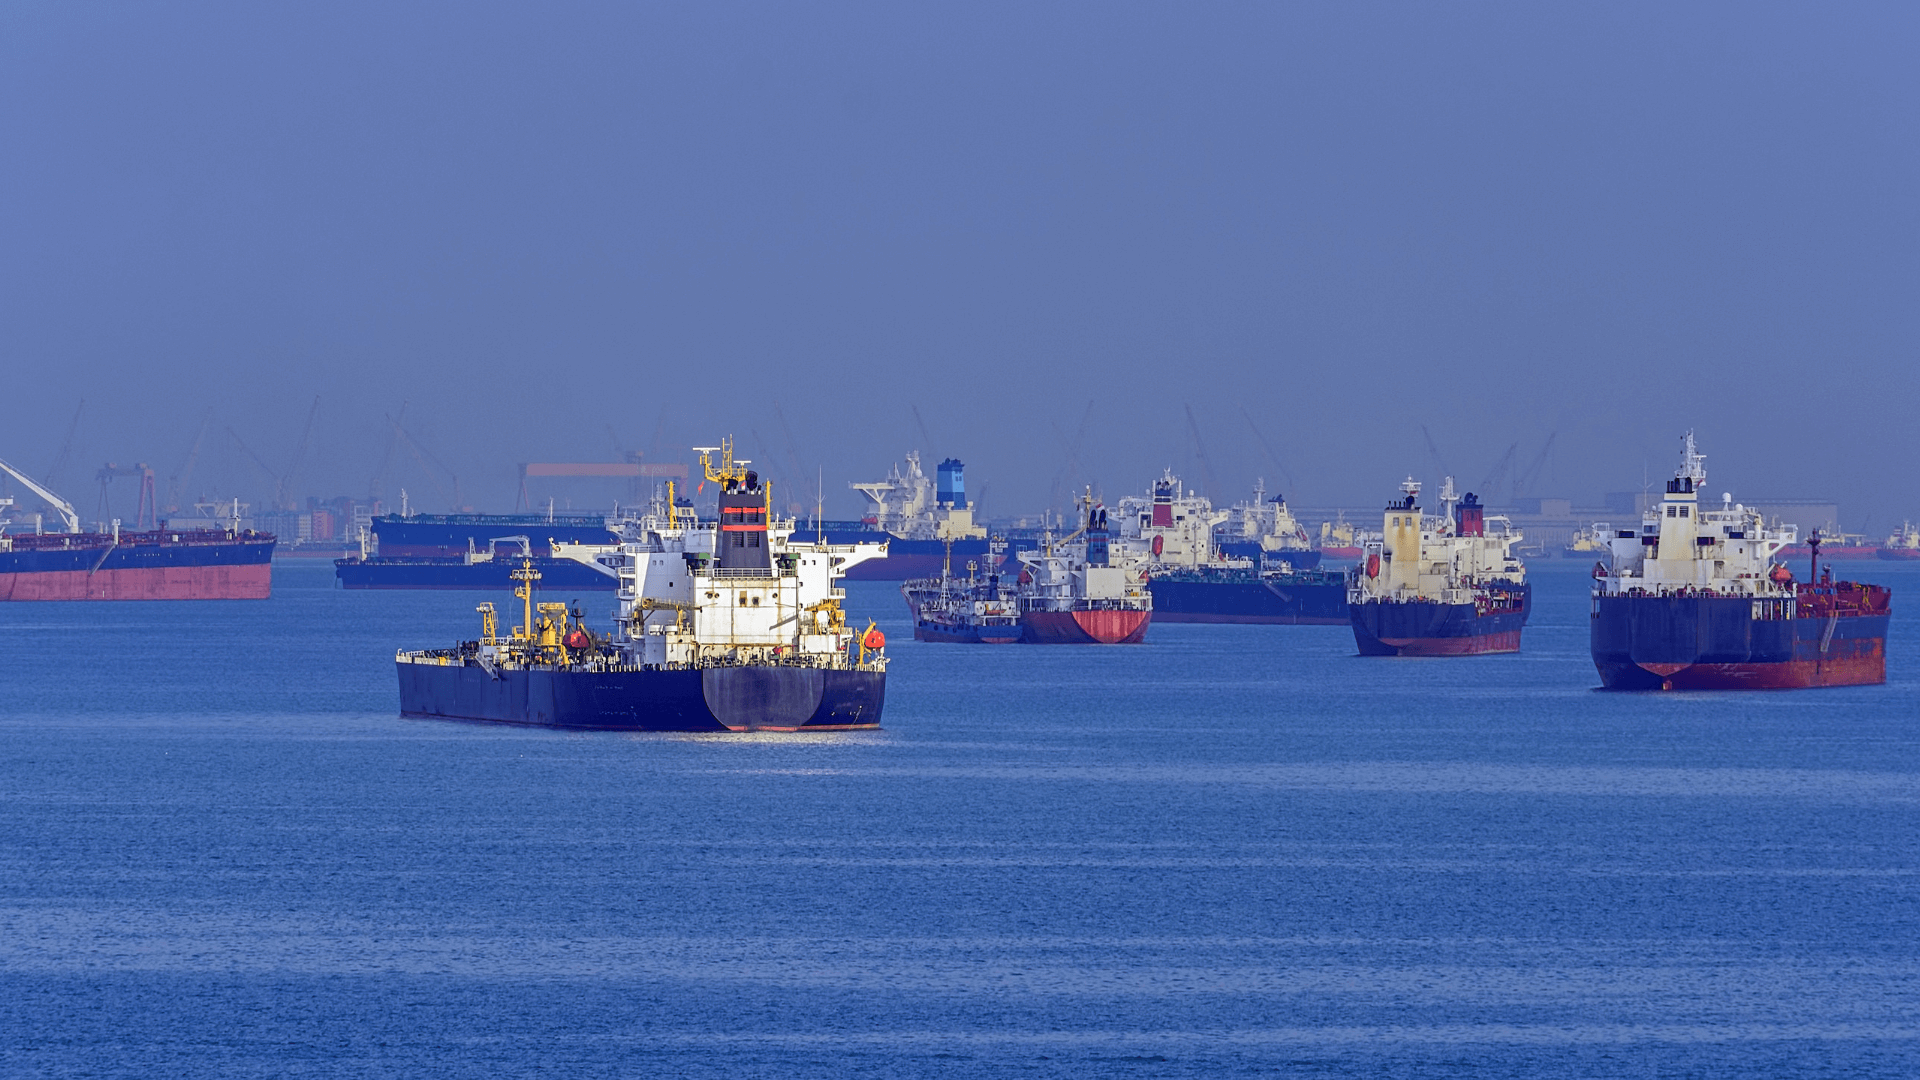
{"x": 1265, "y": 531}
{"x": 923, "y": 522}
{"x": 1085, "y": 588}
{"x": 1695, "y": 599}
{"x": 1439, "y": 585}
{"x": 979, "y": 608}
{"x": 1903, "y": 545}
{"x": 909, "y": 506}
{"x": 721, "y": 625}
{"x": 1197, "y": 575}
{"x": 1174, "y": 526}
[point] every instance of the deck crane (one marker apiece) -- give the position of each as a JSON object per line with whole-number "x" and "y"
{"x": 177, "y": 483}
{"x": 283, "y": 492}
{"x": 1524, "y": 482}
{"x": 1200, "y": 452}
{"x": 65, "y": 509}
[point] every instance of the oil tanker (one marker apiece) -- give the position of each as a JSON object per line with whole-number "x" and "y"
{"x": 1251, "y": 564}
{"x": 1694, "y": 600}
{"x": 721, "y": 625}
{"x": 1084, "y": 589}
{"x": 1445, "y": 585}
{"x": 465, "y": 551}
{"x": 118, "y": 564}
{"x": 978, "y": 609}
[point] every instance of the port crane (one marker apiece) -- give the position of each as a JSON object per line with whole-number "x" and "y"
{"x": 68, "y": 515}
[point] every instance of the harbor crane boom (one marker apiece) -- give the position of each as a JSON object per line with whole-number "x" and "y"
{"x": 60, "y": 506}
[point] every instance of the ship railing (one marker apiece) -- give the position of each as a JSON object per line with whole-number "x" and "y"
{"x": 740, "y": 572}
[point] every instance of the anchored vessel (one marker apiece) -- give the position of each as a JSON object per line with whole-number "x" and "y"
{"x": 1439, "y": 586}
{"x": 979, "y": 609}
{"x": 720, "y": 626}
{"x": 1694, "y": 600}
{"x": 149, "y": 564}
{"x": 1267, "y": 575}
{"x": 922, "y": 522}
{"x": 1084, "y": 590}
{"x": 1903, "y": 545}
{"x": 465, "y": 551}
{"x": 1265, "y": 530}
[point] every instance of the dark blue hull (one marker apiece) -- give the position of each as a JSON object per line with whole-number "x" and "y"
{"x": 711, "y": 699}
{"x": 1717, "y": 643}
{"x": 454, "y": 534}
{"x": 1418, "y": 628}
{"x": 1247, "y": 549}
{"x": 155, "y": 565}
{"x": 968, "y": 633}
{"x": 563, "y": 575}
{"x": 1246, "y": 597}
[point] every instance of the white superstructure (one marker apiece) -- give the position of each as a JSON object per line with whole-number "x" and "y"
{"x": 1684, "y": 545}
{"x": 679, "y": 604}
{"x": 1443, "y": 558}
{"x": 1172, "y": 526}
{"x": 906, "y": 505}
{"x": 1266, "y": 522}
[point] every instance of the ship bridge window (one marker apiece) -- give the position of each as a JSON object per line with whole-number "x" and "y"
{"x": 1671, "y": 511}
{"x": 1683, "y": 511}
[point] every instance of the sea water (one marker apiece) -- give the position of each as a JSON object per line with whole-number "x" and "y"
{"x": 1228, "y": 851}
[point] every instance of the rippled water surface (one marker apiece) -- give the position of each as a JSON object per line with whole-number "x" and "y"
{"x": 1230, "y": 851}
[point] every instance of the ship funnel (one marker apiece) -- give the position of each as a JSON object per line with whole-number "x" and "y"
{"x": 741, "y": 542}
{"x": 1097, "y": 536}
{"x": 1469, "y": 517}
{"x": 952, "y": 484}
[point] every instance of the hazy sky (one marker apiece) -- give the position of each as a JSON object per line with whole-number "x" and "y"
{"x": 558, "y": 231}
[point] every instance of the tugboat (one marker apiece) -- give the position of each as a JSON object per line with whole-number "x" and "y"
{"x": 719, "y": 626}
{"x": 1270, "y": 578}
{"x": 1442, "y": 586}
{"x": 1076, "y": 592}
{"x": 1694, "y": 600}
{"x": 979, "y": 609}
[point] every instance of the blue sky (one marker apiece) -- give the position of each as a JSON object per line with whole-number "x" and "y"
{"x": 556, "y": 232}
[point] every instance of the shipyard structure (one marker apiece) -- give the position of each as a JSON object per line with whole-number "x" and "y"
{"x": 1693, "y": 599}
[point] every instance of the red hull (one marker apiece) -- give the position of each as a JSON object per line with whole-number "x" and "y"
{"x": 1503, "y": 642}
{"x": 1898, "y": 554}
{"x": 1340, "y": 553}
{"x": 1869, "y": 670}
{"x": 251, "y": 582}
{"x": 1828, "y": 551}
{"x": 1086, "y": 627}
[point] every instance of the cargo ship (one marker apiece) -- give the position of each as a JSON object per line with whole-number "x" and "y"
{"x": 1903, "y": 545}
{"x": 1264, "y": 531}
{"x": 1338, "y": 539}
{"x": 916, "y": 518}
{"x": 1084, "y": 589}
{"x": 1194, "y": 578}
{"x": 721, "y": 625}
{"x": 1694, "y": 600}
{"x": 160, "y": 563}
{"x": 1439, "y": 586}
{"x": 978, "y": 609}
{"x": 463, "y": 551}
